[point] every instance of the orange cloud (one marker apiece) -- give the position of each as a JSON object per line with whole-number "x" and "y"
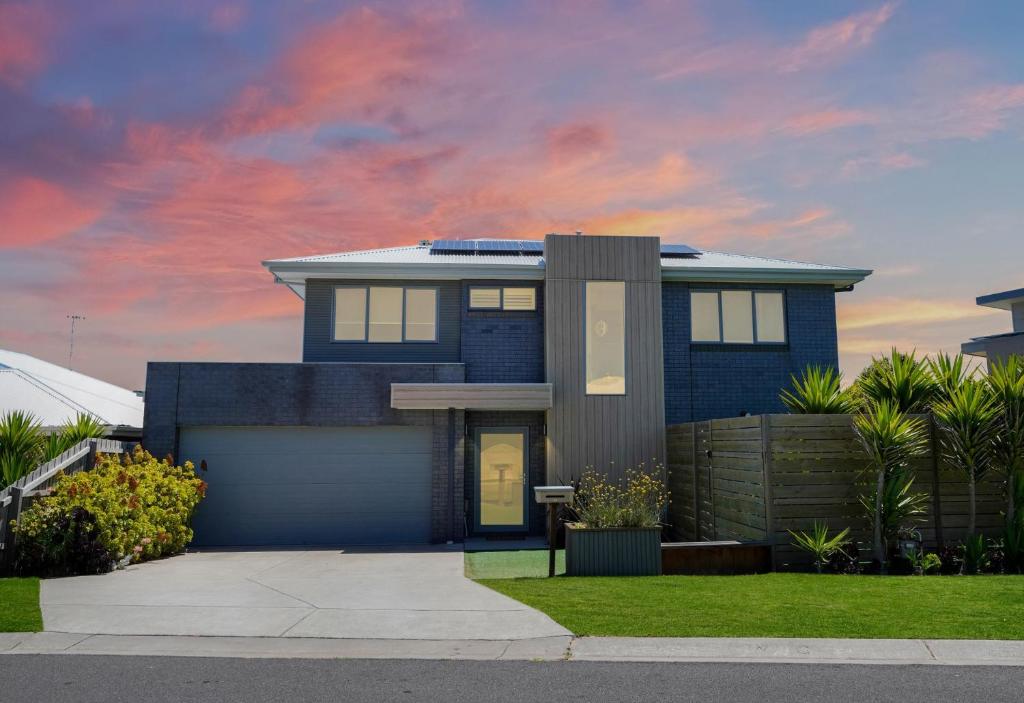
{"x": 825, "y": 121}
{"x": 579, "y": 140}
{"x": 835, "y": 39}
{"x": 34, "y": 211}
{"x": 884, "y": 312}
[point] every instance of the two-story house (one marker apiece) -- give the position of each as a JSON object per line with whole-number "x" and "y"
{"x": 440, "y": 382}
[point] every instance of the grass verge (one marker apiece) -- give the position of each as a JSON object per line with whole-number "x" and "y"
{"x": 779, "y": 605}
{"x": 512, "y": 564}
{"x": 19, "y": 605}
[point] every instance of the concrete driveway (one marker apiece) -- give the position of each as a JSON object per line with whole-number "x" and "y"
{"x": 395, "y": 594}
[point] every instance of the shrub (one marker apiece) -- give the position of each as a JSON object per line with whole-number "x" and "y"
{"x": 53, "y": 541}
{"x": 142, "y": 506}
{"x": 818, "y": 391}
{"x": 975, "y": 554}
{"x": 901, "y": 379}
{"x": 601, "y": 503}
{"x": 819, "y": 544}
{"x": 21, "y": 445}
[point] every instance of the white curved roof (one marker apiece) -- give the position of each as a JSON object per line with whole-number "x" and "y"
{"x": 55, "y": 394}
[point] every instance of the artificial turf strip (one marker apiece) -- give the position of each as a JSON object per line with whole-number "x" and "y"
{"x": 780, "y": 605}
{"x": 19, "y": 605}
{"x": 512, "y": 564}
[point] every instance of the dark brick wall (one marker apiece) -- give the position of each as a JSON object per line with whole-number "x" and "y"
{"x": 318, "y": 327}
{"x": 500, "y": 346}
{"x": 534, "y": 422}
{"x": 704, "y": 381}
{"x": 286, "y": 395}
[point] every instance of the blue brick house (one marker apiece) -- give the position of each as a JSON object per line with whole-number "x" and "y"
{"x": 440, "y": 382}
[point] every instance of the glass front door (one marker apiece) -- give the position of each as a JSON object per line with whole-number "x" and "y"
{"x": 501, "y": 479}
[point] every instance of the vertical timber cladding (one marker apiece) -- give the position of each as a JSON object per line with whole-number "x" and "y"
{"x": 609, "y": 433}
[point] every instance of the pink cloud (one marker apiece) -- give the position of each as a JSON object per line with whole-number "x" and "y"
{"x": 836, "y": 39}
{"x": 25, "y": 30}
{"x": 34, "y": 211}
{"x": 825, "y": 121}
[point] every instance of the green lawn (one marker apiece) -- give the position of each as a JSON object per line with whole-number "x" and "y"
{"x": 19, "y": 605}
{"x": 512, "y": 564}
{"x": 780, "y": 605}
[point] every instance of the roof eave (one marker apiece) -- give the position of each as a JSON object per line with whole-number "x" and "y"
{"x": 294, "y": 273}
{"x": 839, "y": 278}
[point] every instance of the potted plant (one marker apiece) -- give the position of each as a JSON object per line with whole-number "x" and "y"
{"x": 617, "y": 527}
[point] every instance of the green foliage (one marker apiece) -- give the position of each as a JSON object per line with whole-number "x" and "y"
{"x": 967, "y": 421}
{"x": 924, "y": 562}
{"x": 62, "y": 543}
{"x": 891, "y": 440}
{"x": 900, "y": 378}
{"x": 24, "y": 445}
{"x": 21, "y": 445}
{"x": 901, "y": 507}
{"x": 976, "y": 555}
{"x": 639, "y": 503}
{"x": 819, "y": 544}
{"x": 142, "y": 506}
{"x": 818, "y": 391}
{"x": 1005, "y": 383}
{"x": 949, "y": 374}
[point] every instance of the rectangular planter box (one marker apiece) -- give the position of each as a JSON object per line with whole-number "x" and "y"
{"x": 617, "y": 551}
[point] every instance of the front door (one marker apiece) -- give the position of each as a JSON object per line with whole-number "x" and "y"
{"x": 501, "y": 479}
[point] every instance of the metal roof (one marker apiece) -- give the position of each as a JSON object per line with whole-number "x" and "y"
{"x": 55, "y": 394}
{"x": 1003, "y": 301}
{"x": 422, "y": 263}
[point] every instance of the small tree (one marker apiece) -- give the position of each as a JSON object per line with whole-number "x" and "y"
{"x": 891, "y": 440}
{"x": 949, "y": 374}
{"x": 968, "y": 426}
{"x": 818, "y": 391}
{"x": 819, "y": 544}
{"x": 1005, "y": 383}
{"x": 21, "y": 445}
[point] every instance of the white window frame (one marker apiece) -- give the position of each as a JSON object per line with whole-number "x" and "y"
{"x": 753, "y": 311}
{"x": 625, "y": 343}
{"x": 366, "y": 317}
{"x": 501, "y": 299}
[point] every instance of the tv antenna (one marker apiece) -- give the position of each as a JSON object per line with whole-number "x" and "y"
{"x": 71, "y": 343}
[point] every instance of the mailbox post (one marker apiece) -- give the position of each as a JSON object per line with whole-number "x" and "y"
{"x": 553, "y": 496}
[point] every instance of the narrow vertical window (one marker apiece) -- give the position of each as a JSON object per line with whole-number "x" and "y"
{"x": 606, "y": 337}
{"x": 771, "y": 319}
{"x": 385, "y": 315}
{"x": 737, "y": 317}
{"x": 704, "y": 321}
{"x": 350, "y": 314}
{"x": 420, "y": 314}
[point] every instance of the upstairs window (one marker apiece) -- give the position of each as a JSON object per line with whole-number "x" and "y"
{"x": 737, "y": 317}
{"x": 606, "y": 337}
{"x": 502, "y": 298}
{"x": 385, "y": 314}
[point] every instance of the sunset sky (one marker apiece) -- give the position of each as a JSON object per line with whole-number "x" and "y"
{"x": 152, "y": 154}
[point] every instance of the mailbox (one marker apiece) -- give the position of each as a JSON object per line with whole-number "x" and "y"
{"x": 553, "y": 494}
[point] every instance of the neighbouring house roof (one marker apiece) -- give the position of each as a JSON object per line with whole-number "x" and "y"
{"x": 1004, "y": 301}
{"x": 425, "y": 262}
{"x": 55, "y": 394}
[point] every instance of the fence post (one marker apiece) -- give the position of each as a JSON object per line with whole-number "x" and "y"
{"x": 696, "y": 483}
{"x": 936, "y": 497}
{"x": 711, "y": 479}
{"x": 7, "y": 533}
{"x": 90, "y": 459}
{"x": 766, "y": 473}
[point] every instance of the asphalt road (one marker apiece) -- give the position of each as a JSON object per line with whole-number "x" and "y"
{"x": 84, "y": 679}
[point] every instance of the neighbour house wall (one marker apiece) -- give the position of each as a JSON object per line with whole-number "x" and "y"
{"x": 756, "y": 478}
{"x": 534, "y": 423}
{"x": 302, "y": 395}
{"x": 503, "y": 346}
{"x": 318, "y": 327}
{"x": 704, "y": 381}
{"x": 608, "y": 433}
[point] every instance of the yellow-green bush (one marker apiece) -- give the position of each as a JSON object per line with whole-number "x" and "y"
{"x": 142, "y": 506}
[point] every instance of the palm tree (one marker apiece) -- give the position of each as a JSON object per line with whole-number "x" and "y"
{"x": 900, "y": 378}
{"x": 21, "y": 445}
{"x": 968, "y": 426}
{"x": 818, "y": 391}
{"x": 72, "y": 432}
{"x": 891, "y": 440}
{"x": 1005, "y": 383}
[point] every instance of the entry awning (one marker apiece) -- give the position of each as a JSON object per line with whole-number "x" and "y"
{"x": 471, "y": 396}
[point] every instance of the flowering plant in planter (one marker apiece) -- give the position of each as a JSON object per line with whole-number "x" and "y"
{"x": 618, "y": 525}
{"x": 639, "y": 502}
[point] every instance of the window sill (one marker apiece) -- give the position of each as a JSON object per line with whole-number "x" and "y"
{"x": 739, "y": 347}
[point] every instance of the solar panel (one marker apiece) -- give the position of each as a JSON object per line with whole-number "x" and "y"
{"x": 453, "y": 246}
{"x": 533, "y": 247}
{"x": 678, "y": 250}
{"x": 509, "y": 247}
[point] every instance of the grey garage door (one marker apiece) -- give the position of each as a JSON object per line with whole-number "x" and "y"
{"x": 311, "y": 485}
